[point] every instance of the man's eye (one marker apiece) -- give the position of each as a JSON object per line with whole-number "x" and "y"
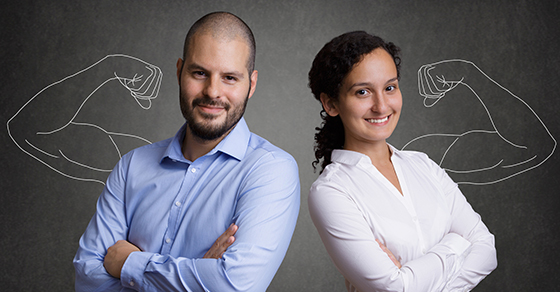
{"x": 391, "y": 88}
{"x": 198, "y": 73}
{"x": 231, "y": 78}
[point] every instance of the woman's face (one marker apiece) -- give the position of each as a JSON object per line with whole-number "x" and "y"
{"x": 369, "y": 101}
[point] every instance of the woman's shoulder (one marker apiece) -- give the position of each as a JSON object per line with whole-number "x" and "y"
{"x": 334, "y": 179}
{"x": 416, "y": 157}
{"x": 330, "y": 175}
{"x": 420, "y": 162}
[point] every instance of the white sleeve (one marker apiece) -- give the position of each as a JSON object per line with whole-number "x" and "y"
{"x": 480, "y": 259}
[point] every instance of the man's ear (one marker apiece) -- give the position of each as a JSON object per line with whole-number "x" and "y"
{"x": 179, "y": 69}
{"x": 329, "y": 105}
{"x": 254, "y": 77}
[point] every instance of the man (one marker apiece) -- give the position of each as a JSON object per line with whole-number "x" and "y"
{"x": 165, "y": 204}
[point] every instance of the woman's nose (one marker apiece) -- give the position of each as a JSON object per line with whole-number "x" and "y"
{"x": 379, "y": 104}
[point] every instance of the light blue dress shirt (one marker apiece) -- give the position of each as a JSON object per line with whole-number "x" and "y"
{"x": 174, "y": 209}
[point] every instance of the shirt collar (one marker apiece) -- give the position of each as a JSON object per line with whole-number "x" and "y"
{"x": 356, "y": 158}
{"x": 234, "y": 144}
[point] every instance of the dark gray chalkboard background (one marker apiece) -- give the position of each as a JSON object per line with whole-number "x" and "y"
{"x": 43, "y": 213}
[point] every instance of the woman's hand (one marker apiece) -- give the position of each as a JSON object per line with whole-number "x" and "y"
{"x": 390, "y": 254}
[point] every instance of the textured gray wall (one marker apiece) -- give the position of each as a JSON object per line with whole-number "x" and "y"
{"x": 43, "y": 214}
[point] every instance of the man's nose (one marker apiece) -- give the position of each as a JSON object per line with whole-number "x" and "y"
{"x": 213, "y": 87}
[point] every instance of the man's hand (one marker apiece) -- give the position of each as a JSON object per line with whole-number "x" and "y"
{"x": 222, "y": 243}
{"x": 117, "y": 255}
{"x": 390, "y": 254}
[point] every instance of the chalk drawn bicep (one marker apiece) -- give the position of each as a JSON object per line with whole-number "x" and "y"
{"x": 50, "y": 128}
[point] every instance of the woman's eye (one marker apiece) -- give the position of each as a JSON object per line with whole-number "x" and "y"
{"x": 361, "y": 92}
{"x": 391, "y": 88}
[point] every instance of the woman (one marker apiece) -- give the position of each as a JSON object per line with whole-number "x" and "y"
{"x": 390, "y": 220}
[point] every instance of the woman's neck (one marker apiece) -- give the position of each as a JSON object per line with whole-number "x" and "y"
{"x": 379, "y": 151}
{"x": 380, "y": 155}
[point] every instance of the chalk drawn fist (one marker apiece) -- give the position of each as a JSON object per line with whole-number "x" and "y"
{"x": 436, "y": 79}
{"x": 141, "y": 79}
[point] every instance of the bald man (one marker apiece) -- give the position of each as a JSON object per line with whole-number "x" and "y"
{"x": 212, "y": 208}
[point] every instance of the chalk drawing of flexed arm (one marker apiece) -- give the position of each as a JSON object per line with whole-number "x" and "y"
{"x": 49, "y": 129}
{"x": 516, "y": 140}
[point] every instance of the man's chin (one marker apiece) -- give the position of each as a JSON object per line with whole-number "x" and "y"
{"x": 208, "y": 131}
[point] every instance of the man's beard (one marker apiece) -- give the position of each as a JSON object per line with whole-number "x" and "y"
{"x": 206, "y": 131}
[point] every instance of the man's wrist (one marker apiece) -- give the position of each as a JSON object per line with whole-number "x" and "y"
{"x": 133, "y": 269}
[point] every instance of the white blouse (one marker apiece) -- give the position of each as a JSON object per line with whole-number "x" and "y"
{"x": 432, "y": 230}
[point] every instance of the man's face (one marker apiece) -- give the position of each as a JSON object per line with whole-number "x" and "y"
{"x": 214, "y": 85}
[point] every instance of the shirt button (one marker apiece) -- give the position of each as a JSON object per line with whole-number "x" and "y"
{"x": 193, "y": 170}
{"x": 168, "y": 240}
{"x": 178, "y": 204}
{"x": 131, "y": 283}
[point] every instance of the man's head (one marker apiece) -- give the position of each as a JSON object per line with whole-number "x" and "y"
{"x": 216, "y": 77}
{"x": 226, "y": 26}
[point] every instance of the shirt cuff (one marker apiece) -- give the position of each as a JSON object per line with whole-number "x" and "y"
{"x": 132, "y": 271}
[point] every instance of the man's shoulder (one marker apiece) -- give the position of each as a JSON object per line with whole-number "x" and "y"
{"x": 267, "y": 164}
{"x": 259, "y": 146}
{"x": 156, "y": 146}
{"x": 149, "y": 151}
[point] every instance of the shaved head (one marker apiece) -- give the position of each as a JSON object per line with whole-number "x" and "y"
{"x": 226, "y": 27}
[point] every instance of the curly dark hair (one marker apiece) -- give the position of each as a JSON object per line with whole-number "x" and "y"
{"x": 331, "y": 65}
